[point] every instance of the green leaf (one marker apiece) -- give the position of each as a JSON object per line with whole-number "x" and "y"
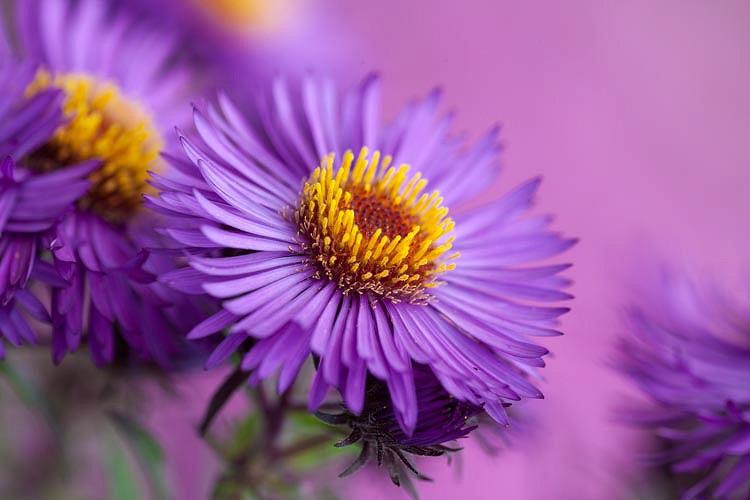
{"x": 33, "y": 398}
{"x": 307, "y": 423}
{"x": 24, "y": 387}
{"x": 147, "y": 451}
{"x": 306, "y": 426}
{"x": 244, "y": 435}
{"x": 225, "y": 489}
{"x": 318, "y": 457}
{"x": 123, "y": 482}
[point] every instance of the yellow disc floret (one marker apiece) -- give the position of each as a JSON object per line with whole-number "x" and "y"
{"x": 370, "y": 229}
{"x": 102, "y": 124}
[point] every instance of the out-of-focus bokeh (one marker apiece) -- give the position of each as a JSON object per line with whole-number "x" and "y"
{"x": 635, "y": 113}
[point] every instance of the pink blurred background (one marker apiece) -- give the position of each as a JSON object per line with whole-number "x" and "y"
{"x": 637, "y": 115}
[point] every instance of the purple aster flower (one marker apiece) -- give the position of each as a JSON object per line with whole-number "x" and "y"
{"x": 29, "y": 205}
{"x": 690, "y": 353}
{"x": 27, "y": 210}
{"x": 317, "y": 250}
{"x": 442, "y": 419}
{"x": 122, "y": 86}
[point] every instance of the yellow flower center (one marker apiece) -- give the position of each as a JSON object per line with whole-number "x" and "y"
{"x": 370, "y": 229}
{"x": 101, "y": 124}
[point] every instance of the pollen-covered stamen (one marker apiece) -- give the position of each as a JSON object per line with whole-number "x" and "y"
{"x": 101, "y": 124}
{"x": 370, "y": 228}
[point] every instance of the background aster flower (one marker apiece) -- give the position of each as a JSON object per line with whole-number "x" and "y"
{"x": 102, "y": 40}
{"x": 27, "y": 210}
{"x": 224, "y": 25}
{"x": 29, "y": 205}
{"x": 349, "y": 261}
{"x": 689, "y": 351}
{"x": 232, "y": 39}
{"x": 122, "y": 86}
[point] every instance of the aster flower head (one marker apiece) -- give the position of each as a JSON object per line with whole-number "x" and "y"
{"x": 29, "y": 205}
{"x": 442, "y": 420}
{"x": 325, "y": 233}
{"x": 689, "y": 352}
{"x": 119, "y": 85}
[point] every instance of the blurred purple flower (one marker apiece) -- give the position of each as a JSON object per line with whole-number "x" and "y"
{"x": 358, "y": 267}
{"x": 223, "y": 25}
{"x": 123, "y": 86}
{"x": 233, "y": 38}
{"x": 29, "y": 205}
{"x": 690, "y": 353}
